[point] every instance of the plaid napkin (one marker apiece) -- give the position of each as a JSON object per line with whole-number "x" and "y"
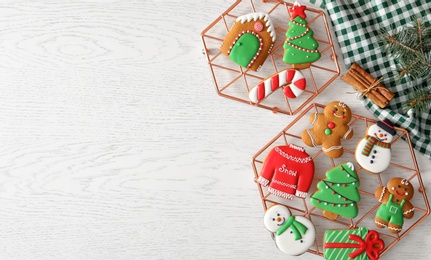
{"x": 357, "y": 25}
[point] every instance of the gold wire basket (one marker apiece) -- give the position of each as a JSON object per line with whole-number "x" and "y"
{"x": 235, "y": 82}
{"x": 402, "y": 151}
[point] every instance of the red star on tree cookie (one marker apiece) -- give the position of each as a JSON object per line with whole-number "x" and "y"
{"x": 297, "y": 10}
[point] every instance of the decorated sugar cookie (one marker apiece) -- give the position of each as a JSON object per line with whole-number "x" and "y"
{"x": 294, "y": 235}
{"x": 338, "y": 194}
{"x": 373, "y": 152}
{"x": 250, "y": 40}
{"x": 288, "y": 171}
{"x": 300, "y": 48}
{"x": 396, "y": 206}
{"x": 292, "y": 81}
{"x": 351, "y": 244}
{"x": 329, "y": 128}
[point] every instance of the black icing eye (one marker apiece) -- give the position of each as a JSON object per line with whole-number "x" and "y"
{"x": 278, "y": 214}
{"x": 399, "y": 186}
{"x": 273, "y": 219}
{"x": 379, "y": 131}
{"x": 302, "y": 241}
{"x": 335, "y": 109}
{"x": 342, "y": 113}
{"x": 291, "y": 232}
{"x": 405, "y": 189}
{"x": 386, "y": 134}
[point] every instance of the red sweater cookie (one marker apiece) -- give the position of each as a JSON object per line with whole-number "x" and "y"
{"x": 288, "y": 170}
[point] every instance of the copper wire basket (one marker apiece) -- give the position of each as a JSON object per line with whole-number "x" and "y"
{"x": 401, "y": 151}
{"x": 234, "y": 82}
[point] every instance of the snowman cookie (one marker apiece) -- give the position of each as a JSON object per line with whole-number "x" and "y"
{"x": 373, "y": 152}
{"x": 329, "y": 128}
{"x": 396, "y": 206}
{"x": 294, "y": 235}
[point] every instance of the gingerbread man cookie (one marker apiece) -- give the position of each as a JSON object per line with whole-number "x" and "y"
{"x": 329, "y": 128}
{"x": 396, "y": 206}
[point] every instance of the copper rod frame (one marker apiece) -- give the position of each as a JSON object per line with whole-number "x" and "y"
{"x": 313, "y": 89}
{"x": 313, "y": 214}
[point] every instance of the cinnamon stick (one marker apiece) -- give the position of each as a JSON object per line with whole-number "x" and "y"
{"x": 368, "y": 86}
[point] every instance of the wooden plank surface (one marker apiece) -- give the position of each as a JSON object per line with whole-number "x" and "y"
{"x": 115, "y": 145}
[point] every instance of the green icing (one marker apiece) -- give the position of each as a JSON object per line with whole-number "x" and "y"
{"x": 338, "y": 193}
{"x": 342, "y": 236}
{"x": 392, "y": 212}
{"x": 294, "y": 55}
{"x": 328, "y": 131}
{"x": 245, "y": 49}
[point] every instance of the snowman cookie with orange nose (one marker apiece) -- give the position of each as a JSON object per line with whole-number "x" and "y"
{"x": 293, "y": 235}
{"x": 373, "y": 152}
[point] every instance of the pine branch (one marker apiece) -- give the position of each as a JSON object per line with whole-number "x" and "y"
{"x": 419, "y": 100}
{"x": 419, "y": 31}
{"x": 411, "y": 47}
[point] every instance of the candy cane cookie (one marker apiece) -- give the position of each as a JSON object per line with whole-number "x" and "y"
{"x": 293, "y": 82}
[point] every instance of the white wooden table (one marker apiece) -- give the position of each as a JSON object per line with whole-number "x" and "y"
{"x": 115, "y": 145}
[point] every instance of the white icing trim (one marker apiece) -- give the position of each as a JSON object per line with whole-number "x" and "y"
{"x": 393, "y": 228}
{"x": 301, "y": 194}
{"x": 381, "y": 195}
{"x": 315, "y": 119}
{"x": 409, "y": 211}
{"x": 351, "y": 166}
{"x": 263, "y": 181}
{"x": 292, "y": 158}
{"x": 313, "y": 142}
{"x": 259, "y": 15}
{"x": 331, "y": 148}
{"x": 296, "y": 147}
{"x": 281, "y": 193}
{"x": 347, "y": 133}
{"x": 381, "y": 224}
{"x": 285, "y": 184}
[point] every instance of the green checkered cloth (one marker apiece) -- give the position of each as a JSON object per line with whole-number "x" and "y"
{"x": 357, "y": 25}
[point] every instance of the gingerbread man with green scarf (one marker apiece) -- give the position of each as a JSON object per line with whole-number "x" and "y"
{"x": 396, "y": 206}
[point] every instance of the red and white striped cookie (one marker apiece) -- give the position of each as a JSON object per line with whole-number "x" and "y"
{"x": 292, "y": 80}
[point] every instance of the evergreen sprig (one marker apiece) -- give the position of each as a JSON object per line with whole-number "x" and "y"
{"x": 419, "y": 100}
{"x": 411, "y": 49}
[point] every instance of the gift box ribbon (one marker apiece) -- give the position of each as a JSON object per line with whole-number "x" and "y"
{"x": 372, "y": 245}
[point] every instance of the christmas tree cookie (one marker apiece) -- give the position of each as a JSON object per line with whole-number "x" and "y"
{"x": 300, "y": 48}
{"x": 338, "y": 194}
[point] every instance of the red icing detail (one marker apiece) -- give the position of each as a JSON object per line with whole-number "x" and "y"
{"x": 297, "y": 10}
{"x": 331, "y": 125}
{"x": 372, "y": 245}
{"x": 333, "y": 192}
{"x": 400, "y": 194}
{"x": 300, "y": 84}
{"x": 258, "y": 26}
{"x": 289, "y": 75}
{"x": 261, "y": 91}
{"x": 274, "y": 82}
{"x": 288, "y": 92}
{"x": 287, "y": 169}
{"x": 342, "y": 117}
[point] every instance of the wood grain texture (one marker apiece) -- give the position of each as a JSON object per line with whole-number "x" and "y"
{"x": 114, "y": 144}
